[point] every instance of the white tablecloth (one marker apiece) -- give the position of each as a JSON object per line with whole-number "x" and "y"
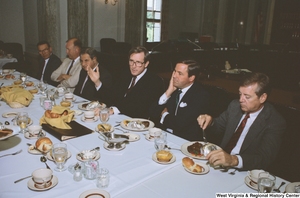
{"x": 132, "y": 170}
{"x": 4, "y": 60}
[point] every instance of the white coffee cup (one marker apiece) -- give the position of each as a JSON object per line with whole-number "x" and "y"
{"x": 34, "y": 129}
{"x": 69, "y": 96}
{"x": 89, "y": 115}
{"x": 253, "y": 174}
{"x": 5, "y": 71}
{"x": 155, "y": 131}
{"x": 42, "y": 177}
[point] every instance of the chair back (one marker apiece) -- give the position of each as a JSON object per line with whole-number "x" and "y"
{"x": 121, "y": 48}
{"x": 106, "y": 45}
{"x": 16, "y": 49}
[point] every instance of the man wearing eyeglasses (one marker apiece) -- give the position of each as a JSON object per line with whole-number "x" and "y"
{"x": 48, "y": 63}
{"x": 137, "y": 88}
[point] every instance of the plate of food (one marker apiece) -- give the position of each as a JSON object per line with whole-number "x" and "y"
{"x": 137, "y": 124}
{"x": 193, "y": 149}
{"x": 193, "y": 167}
{"x": 6, "y": 133}
{"x": 163, "y": 157}
{"x": 104, "y": 128}
{"x": 91, "y": 105}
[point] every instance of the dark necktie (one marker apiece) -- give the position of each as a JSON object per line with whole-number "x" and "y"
{"x": 178, "y": 96}
{"x": 131, "y": 85}
{"x": 235, "y": 137}
{"x": 70, "y": 67}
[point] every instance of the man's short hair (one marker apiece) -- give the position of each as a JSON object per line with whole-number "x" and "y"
{"x": 90, "y": 51}
{"x": 76, "y": 42}
{"x": 193, "y": 67}
{"x": 262, "y": 80}
{"x": 42, "y": 43}
{"x": 140, "y": 49}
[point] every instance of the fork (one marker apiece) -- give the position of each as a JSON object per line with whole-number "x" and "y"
{"x": 232, "y": 172}
{"x": 15, "y": 153}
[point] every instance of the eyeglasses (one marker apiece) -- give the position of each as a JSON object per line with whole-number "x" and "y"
{"x": 41, "y": 51}
{"x": 137, "y": 63}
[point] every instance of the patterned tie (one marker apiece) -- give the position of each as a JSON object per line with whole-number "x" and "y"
{"x": 131, "y": 85}
{"x": 235, "y": 137}
{"x": 178, "y": 96}
{"x": 70, "y": 67}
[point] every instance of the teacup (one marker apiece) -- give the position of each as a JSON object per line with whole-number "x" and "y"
{"x": 5, "y": 71}
{"x": 61, "y": 91}
{"x": 153, "y": 132}
{"x": 253, "y": 175}
{"x": 89, "y": 115}
{"x": 69, "y": 96}
{"x": 42, "y": 177}
{"x": 34, "y": 129}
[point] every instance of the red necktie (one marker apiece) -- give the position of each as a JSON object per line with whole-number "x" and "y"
{"x": 235, "y": 137}
{"x": 70, "y": 67}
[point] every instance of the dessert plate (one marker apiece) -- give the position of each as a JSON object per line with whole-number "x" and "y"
{"x": 83, "y": 119}
{"x": 149, "y": 138}
{"x": 290, "y": 188}
{"x": 34, "y": 151}
{"x": 29, "y": 136}
{"x": 54, "y": 182}
{"x": 173, "y": 159}
{"x": 95, "y": 193}
{"x": 206, "y": 169}
{"x": 9, "y": 114}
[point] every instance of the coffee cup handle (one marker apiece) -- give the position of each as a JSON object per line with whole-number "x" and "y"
{"x": 248, "y": 173}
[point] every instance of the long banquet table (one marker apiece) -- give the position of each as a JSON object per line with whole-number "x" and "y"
{"x": 132, "y": 170}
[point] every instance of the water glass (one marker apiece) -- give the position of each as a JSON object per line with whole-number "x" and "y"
{"x": 60, "y": 154}
{"x": 160, "y": 141}
{"x": 104, "y": 115}
{"x": 22, "y": 121}
{"x": 102, "y": 178}
{"x": 266, "y": 182}
{"x": 23, "y": 77}
{"x": 42, "y": 86}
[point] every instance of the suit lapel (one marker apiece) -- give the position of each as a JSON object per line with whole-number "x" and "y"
{"x": 232, "y": 127}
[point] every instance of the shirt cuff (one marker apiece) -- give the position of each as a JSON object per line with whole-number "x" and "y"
{"x": 240, "y": 164}
{"x": 163, "y": 117}
{"x": 163, "y": 99}
{"x": 99, "y": 86}
{"x": 116, "y": 110}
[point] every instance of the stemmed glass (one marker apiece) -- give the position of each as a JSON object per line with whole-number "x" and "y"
{"x": 266, "y": 182}
{"x": 23, "y": 77}
{"x": 22, "y": 121}
{"x": 104, "y": 115}
{"x": 42, "y": 86}
{"x": 60, "y": 154}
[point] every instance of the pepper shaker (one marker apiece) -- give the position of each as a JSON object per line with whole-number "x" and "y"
{"x": 77, "y": 175}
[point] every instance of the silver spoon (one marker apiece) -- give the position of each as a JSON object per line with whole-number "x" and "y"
{"x": 232, "y": 172}
{"x": 43, "y": 159}
{"x": 22, "y": 179}
{"x": 277, "y": 189}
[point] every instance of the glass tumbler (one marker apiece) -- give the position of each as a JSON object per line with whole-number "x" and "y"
{"x": 102, "y": 178}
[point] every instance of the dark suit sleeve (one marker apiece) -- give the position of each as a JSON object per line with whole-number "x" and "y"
{"x": 104, "y": 94}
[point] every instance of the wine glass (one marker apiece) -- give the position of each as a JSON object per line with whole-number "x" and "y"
{"x": 265, "y": 182}
{"x": 22, "y": 121}
{"x": 60, "y": 154}
{"x": 104, "y": 115}
{"x": 23, "y": 77}
{"x": 42, "y": 86}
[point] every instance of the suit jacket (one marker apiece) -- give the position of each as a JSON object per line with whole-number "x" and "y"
{"x": 263, "y": 139}
{"x": 53, "y": 63}
{"x": 184, "y": 124}
{"x": 74, "y": 72}
{"x": 138, "y": 101}
{"x": 89, "y": 91}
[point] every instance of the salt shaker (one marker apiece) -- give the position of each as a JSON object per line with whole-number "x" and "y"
{"x": 77, "y": 176}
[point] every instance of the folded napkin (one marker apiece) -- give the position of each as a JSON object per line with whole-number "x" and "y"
{"x": 60, "y": 122}
{"x": 17, "y": 95}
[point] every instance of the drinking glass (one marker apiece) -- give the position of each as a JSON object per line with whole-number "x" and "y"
{"x": 102, "y": 178}
{"x": 60, "y": 154}
{"x": 22, "y": 121}
{"x": 104, "y": 115}
{"x": 42, "y": 86}
{"x": 266, "y": 182}
{"x": 23, "y": 77}
{"x": 160, "y": 141}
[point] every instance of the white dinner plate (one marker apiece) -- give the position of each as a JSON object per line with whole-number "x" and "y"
{"x": 105, "y": 145}
{"x": 250, "y": 183}
{"x": 85, "y": 160}
{"x": 89, "y": 120}
{"x": 95, "y": 193}
{"x": 290, "y": 188}
{"x": 8, "y": 136}
{"x": 9, "y": 114}
{"x": 50, "y": 157}
{"x": 102, "y": 105}
{"x": 154, "y": 158}
{"x": 185, "y": 151}
{"x": 124, "y": 125}
{"x": 206, "y": 169}
{"x": 54, "y": 182}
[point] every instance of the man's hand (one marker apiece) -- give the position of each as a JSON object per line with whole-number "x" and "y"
{"x": 94, "y": 75}
{"x": 204, "y": 121}
{"x": 221, "y": 158}
{"x": 171, "y": 87}
{"x": 63, "y": 77}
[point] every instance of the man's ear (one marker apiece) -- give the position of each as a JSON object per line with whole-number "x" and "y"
{"x": 263, "y": 98}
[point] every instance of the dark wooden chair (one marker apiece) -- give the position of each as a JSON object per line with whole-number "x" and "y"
{"x": 106, "y": 45}
{"x": 16, "y": 49}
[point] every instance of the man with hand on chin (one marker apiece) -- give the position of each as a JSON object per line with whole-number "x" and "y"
{"x": 251, "y": 128}
{"x": 179, "y": 107}
{"x": 94, "y": 81}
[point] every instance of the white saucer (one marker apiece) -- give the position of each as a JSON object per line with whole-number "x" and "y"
{"x": 73, "y": 100}
{"x": 250, "y": 184}
{"x": 9, "y": 114}
{"x": 93, "y": 120}
{"x": 149, "y": 138}
{"x": 78, "y": 112}
{"x": 31, "y": 186}
{"x": 26, "y": 135}
{"x": 290, "y": 188}
{"x": 173, "y": 159}
{"x": 95, "y": 193}
{"x": 34, "y": 151}
{"x": 85, "y": 160}
{"x": 206, "y": 169}
{"x": 132, "y": 137}
{"x": 105, "y": 145}
{"x": 49, "y": 156}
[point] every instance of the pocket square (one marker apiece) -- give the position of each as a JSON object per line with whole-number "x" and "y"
{"x": 182, "y": 104}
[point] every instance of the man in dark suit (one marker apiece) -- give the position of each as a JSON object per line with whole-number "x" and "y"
{"x": 179, "y": 107}
{"x": 251, "y": 128}
{"x": 138, "y": 89}
{"x": 48, "y": 63}
{"x": 94, "y": 81}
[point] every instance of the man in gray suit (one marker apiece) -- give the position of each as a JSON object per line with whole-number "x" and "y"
{"x": 254, "y": 124}
{"x": 67, "y": 74}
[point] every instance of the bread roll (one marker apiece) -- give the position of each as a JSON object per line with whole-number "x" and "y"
{"x": 65, "y": 103}
{"x": 49, "y": 114}
{"x": 43, "y": 144}
{"x": 33, "y": 91}
{"x": 191, "y": 165}
{"x": 164, "y": 156}
{"x": 104, "y": 127}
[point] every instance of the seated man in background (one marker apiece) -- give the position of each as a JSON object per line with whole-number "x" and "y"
{"x": 251, "y": 128}
{"x": 94, "y": 81}
{"x": 178, "y": 108}
{"x": 67, "y": 75}
{"x": 138, "y": 88}
{"x": 48, "y": 63}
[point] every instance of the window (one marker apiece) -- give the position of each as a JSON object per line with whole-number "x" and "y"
{"x": 153, "y": 21}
